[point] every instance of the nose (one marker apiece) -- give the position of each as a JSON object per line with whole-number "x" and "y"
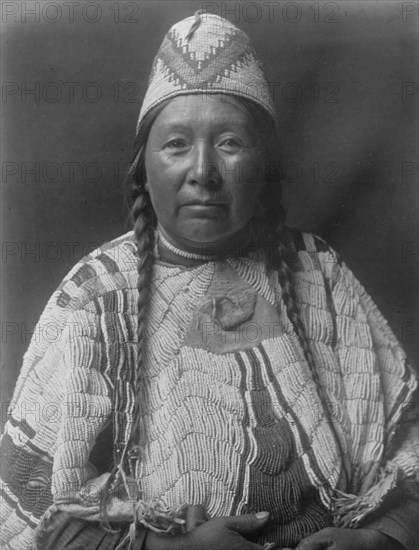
{"x": 204, "y": 168}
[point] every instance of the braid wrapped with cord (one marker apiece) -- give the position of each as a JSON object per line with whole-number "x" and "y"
{"x": 144, "y": 229}
{"x": 271, "y": 228}
{"x": 144, "y": 222}
{"x": 278, "y": 243}
{"x": 277, "y": 257}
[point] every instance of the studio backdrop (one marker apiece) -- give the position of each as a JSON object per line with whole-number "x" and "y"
{"x": 344, "y": 79}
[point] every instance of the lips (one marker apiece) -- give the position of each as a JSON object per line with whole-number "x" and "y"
{"x": 206, "y": 209}
{"x": 205, "y": 202}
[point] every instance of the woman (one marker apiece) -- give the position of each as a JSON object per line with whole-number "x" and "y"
{"x": 218, "y": 380}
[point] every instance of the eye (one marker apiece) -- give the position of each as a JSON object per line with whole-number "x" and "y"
{"x": 176, "y": 144}
{"x": 230, "y": 144}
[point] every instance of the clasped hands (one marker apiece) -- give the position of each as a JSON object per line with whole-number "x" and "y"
{"x": 231, "y": 533}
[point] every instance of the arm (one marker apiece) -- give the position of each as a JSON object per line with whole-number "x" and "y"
{"x": 30, "y": 446}
{"x": 28, "y": 443}
{"x": 373, "y": 361}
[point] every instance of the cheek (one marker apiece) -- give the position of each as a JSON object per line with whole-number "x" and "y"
{"x": 160, "y": 183}
{"x": 247, "y": 200}
{"x": 246, "y": 181}
{"x": 162, "y": 197}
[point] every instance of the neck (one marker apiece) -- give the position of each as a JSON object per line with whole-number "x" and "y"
{"x": 239, "y": 245}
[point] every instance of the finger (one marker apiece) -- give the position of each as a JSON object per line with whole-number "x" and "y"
{"x": 195, "y": 516}
{"x": 322, "y": 540}
{"x": 255, "y": 546}
{"x": 309, "y": 544}
{"x": 247, "y": 523}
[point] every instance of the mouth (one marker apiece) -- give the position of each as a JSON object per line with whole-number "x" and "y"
{"x": 205, "y": 203}
{"x": 205, "y": 209}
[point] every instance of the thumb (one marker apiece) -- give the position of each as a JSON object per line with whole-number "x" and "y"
{"x": 318, "y": 541}
{"x": 195, "y": 516}
{"x": 247, "y": 523}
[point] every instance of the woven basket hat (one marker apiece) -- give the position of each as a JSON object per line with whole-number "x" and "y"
{"x": 206, "y": 53}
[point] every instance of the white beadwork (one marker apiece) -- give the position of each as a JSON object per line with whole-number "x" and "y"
{"x": 184, "y": 253}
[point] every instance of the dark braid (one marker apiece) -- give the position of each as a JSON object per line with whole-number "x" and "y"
{"x": 144, "y": 229}
{"x": 143, "y": 219}
{"x": 280, "y": 245}
{"x": 280, "y": 249}
{"x": 278, "y": 256}
{"x": 280, "y": 252}
{"x": 271, "y": 232}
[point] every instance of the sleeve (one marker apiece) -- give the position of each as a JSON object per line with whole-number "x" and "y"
{"x": 69, "y": 390}
{"x": 30, "y": 443}
{"x": 61, "y": 531}
{"x": 381, "y": 393}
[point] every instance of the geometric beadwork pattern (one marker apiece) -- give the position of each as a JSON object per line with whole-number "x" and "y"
{"x": 215, "y": 57}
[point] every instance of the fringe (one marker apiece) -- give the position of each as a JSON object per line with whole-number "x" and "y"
{"x": 160, "y": 518}
{"x": 349, "y": 510}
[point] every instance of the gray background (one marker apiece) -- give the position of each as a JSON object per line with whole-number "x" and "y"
{"x": 344, "y": 76}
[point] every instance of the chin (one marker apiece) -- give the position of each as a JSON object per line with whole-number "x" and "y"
{"x": 211, "y": 240}
{"x": 203, "y": 234}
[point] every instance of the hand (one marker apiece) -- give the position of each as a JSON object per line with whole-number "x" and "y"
{"x": 348, "y": 539}
{"x": 195, "y": 516}
{"x": 226, "y": 533}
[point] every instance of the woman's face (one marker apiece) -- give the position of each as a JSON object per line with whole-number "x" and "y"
{"x": 204, "y": 165}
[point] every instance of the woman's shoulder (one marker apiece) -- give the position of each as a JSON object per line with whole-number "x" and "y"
{"x": 308, "y": 252}
{"x": 103, "y": 270}
{"x": 304, "y": 241}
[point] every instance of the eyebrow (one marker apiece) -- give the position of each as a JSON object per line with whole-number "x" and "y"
{"x": 174, "y": 125}
{"x": 181, "y": 125}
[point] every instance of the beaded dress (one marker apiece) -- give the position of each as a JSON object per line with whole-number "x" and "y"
{"x": 231, "y": 417}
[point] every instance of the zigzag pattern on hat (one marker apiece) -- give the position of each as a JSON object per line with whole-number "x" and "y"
{"x": 182, "y": 62}
{"x": 216, "y": 58}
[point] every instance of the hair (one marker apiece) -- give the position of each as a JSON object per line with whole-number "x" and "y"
{"x": 270, "y": 229}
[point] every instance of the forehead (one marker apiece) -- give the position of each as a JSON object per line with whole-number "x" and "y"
{"x": 197, "y": 109}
